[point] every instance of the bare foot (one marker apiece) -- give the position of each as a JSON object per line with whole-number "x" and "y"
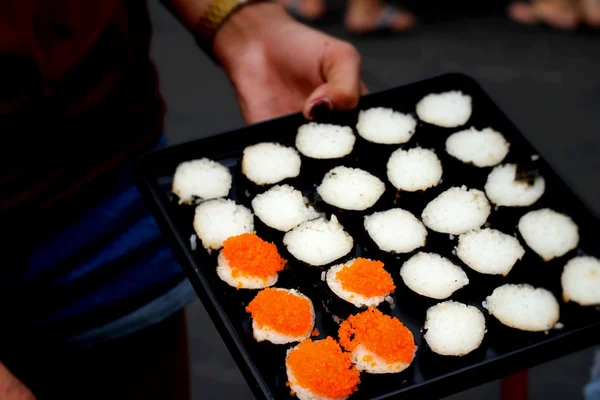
{"x": 591, "y": 12}
{"x": 309, "y": 9}
{"x": 522, "y": 13}
{"x": 368, "y": 15}
{"x": 561, "y": 14}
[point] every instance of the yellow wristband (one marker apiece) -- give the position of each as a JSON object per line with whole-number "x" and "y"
{"x": 214, "y": 17}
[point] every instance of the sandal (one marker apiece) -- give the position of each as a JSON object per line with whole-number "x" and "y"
{"x": 386, "y": 22}
{"x": 295, "y": 8}
{"x": 547, "y": 12}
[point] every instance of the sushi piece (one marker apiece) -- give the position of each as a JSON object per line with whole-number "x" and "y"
{"x": 281, "y": 316}
{"x": 318, "y": 242}
{"x": 482, "y": 148}
{"x": 360, "y": 281}
{"x": 248, "y": 262}
{"x": 218, "y": 219}
{"x": 580, "y": 281}
{"x": 504, "y": 189}
{"x": 282, "y": 208}
{"x": 448, "y": 109}
{"x": 457, "y": 211}
{"x": 379, "y": 344}
{"x": 523, "y": 307}
{"x": 414, "y": 169}
{"x": 320, "y": 370}
{"x": 385, "y": 126}
{"x": 489, "y": 251}
{"x": 350, "y": 188}
{"x": 453, "y": 328}
{"x": 268, "y": 163}
{"x": 396, "y": 230}
{"x": 199, "y": 180}
{"x": 549, "y": 233}
{"x": 324, "y": 141}
{"x": 432, "y": 275}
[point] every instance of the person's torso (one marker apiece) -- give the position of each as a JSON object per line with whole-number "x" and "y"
{"x": 78, "y": 95}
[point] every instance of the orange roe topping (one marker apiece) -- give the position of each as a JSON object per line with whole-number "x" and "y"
{"x": 323, "y": 368}
{"x": 283, "y": 311}
{"x": 366, "y": 277}
{"x": 315, "y": 333}
{"x": 383, "y": 335}
{"x": 247, "y": 254}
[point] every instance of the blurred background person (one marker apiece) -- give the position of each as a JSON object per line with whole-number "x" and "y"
{"x": 368, "y": 16}
{"x": 560, "y": 14}
{"x": 91, "y": 295}
{"x": 362, "y": 16}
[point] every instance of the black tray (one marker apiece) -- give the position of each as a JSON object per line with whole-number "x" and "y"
{"x": 504, "y": 351}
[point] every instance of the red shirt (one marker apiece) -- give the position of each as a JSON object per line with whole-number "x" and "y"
{"x": 78, "y": 97}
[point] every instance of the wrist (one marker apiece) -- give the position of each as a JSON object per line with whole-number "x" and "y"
{"x": 247, "y": 28}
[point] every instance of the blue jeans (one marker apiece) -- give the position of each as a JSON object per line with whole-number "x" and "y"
{"x": 112, "y": 257}
{"x": 592, "y": 389}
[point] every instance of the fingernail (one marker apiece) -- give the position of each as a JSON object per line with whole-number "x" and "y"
{"x": 320, "y": 108}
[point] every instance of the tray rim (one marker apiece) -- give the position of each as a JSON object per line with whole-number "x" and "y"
{"x": 575, "y": 340}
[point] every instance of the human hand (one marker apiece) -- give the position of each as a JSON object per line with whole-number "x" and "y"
{"x": 11, "y": 388}
{"x": 279, "y": 66}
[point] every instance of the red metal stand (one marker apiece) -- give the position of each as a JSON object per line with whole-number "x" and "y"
{"x": 514, "y": 387}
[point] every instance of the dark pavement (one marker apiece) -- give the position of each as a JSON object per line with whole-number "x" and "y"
{"x": 547, "y": 82}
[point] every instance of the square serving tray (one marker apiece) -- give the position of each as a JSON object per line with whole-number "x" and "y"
{"x": 504, "y": 351}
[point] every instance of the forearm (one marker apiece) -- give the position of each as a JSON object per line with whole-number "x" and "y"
{"x": 11, "y": 388}
{"x": 243, "y": 26}
{"x": 189, "y": 12}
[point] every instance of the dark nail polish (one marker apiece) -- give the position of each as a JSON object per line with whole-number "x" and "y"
{"x": 320, "y": 109}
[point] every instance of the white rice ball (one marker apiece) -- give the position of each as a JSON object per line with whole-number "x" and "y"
{"x": 350, "y": 188}
{"x": 448, "y": 109}
{"x": 456, "y": 211}
{"x": 216, "y": 220}
{"x": 581, "y": 281}
{"x": 414, "y": 169}
{"x": 282, "y": 208}
{"x": 484, "y": 148}
{"x": 432, "y": 275}
{"x": 324, "y": 141}
{"x": 549, "y": 233}
{"x": 318, "y": 241}
{"x": 524, "y": 307}
{"x": 201, "y": 179}
{"x": 504, "y": 190}
{"x": 489, "y": 251}
{"x": 454, "y": 329}
{"x": 267, "y": 163}
{"x": 385, "y": 126}
{"x": 356, "y": 299}
{"x": 396, "y": 230}
{"x": 225, "y": 272}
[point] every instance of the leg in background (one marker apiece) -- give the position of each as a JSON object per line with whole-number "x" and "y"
{"x": 560, "y": 14}
{"x": 307, "y": 9}
{"x": 159, "y": 362}
{"x": 370, "y": 15}
{"x": 591, "y": 12}
{"x": 151, "y": 364}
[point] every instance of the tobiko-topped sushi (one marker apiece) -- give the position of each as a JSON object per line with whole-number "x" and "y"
{"x": 281, "y": 316}
{"x": 379, "y": 344}
{"x": 320, "y": 370}
{"x": 248, "y": 262}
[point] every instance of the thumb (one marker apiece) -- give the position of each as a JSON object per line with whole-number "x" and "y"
{"x": 340, "y": 68}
